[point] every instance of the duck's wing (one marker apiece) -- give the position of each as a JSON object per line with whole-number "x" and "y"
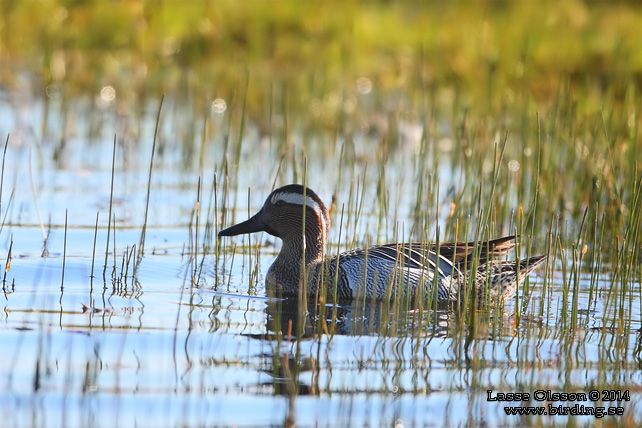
{"x": 459, "y": 253}
{"x": 453, "y": 256}
{"x": 413, "y": 256}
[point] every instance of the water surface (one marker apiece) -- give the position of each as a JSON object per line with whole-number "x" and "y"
{"x": 193, "y": 340}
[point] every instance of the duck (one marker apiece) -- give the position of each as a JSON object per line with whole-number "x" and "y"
{"x": 379, "y": 272}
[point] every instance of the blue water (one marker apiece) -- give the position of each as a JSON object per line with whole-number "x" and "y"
{"x": 160, "y": 350}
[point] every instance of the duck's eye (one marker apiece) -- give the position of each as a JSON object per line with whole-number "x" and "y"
{"x": 280, "y": 203}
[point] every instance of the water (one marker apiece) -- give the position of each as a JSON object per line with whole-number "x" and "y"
{"x": 157, "y": 350}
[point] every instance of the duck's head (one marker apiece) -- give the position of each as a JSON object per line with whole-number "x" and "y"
{"x": 282, "y": 216}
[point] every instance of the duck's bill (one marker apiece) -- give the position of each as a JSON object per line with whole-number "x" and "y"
{"x": 251, "y": 225}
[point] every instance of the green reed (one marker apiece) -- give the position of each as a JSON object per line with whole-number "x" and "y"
{"x": 111, "y": 205}
{"x": 64, "y": 258}
{"x": 141, "y": 245}
{"x": 196, "y": 273}
{"x": 4, "y": 156}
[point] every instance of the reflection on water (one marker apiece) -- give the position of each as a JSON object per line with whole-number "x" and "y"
{"x": 159, "y": 352}
{"x": 285, "y": 316}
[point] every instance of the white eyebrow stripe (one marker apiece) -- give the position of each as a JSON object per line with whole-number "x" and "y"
{"x": 297, "y": 199}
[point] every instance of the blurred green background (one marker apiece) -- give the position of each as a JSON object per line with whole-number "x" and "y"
{"x": 562, "y": 79}
{"x": 487, "y": 52}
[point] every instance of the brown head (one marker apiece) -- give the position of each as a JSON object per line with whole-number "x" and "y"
{"x": 282, "y": 216}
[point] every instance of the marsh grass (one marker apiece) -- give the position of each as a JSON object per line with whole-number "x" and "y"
{"x": 575, "y": 241}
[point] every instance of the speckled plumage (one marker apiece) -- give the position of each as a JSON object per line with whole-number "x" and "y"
{"x": 382, "y": 272}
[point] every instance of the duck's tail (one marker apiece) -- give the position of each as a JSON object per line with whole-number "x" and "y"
{"x": 504, "y": 276}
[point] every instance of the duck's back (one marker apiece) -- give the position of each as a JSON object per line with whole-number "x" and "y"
{"x": 390, "y": 272}
{"x": 387, "y": 272}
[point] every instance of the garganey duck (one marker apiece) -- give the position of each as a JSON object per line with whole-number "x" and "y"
{"x": 378, "y": 272}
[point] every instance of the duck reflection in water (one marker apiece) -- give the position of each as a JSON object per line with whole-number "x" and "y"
{"x": 289, "y": 318}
